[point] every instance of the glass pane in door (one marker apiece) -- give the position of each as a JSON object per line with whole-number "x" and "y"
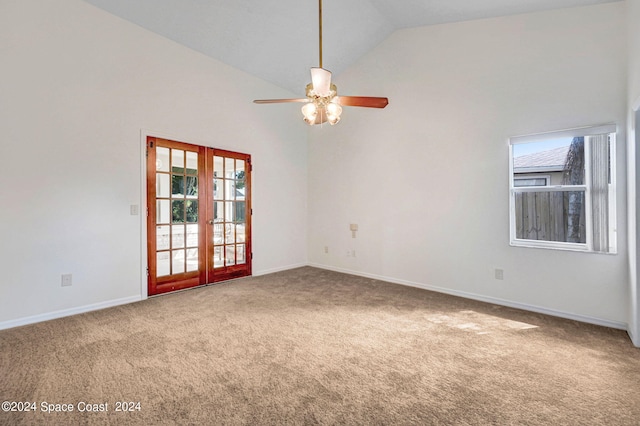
{"x": 240, "y": 237}
{"x": 162, "y": 211}
{"x": 162, "y": 159}
{"x": 162, "y": 185}
{"x": 177, "y": 160}
{"x": 218, "y": 261}
{"x": 229, "y": 168}
{"x": 192, "y": 235}
{"x": 217, "y": 233}
{"x": 192, "y": 260}
{"x": 177, "y": 266}
{"x": 230, "y": 256}
{"x": 177, "y": 236}
{"x": 162, "y": 237}
{"x": 240, "y": 254}
{"x": 163, "y": 267}
{"x": 229, "y": 234}
{"x": 192, "y": 163}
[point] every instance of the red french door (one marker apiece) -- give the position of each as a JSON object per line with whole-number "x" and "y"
{"x": 199, "y": 215}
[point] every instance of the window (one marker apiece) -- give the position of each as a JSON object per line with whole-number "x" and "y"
{"x": 562, "y": 190}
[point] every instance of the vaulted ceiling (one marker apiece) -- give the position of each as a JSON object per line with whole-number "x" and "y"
{"x": 277, "y": 40}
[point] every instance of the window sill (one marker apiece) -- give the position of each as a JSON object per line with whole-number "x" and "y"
{"x": 556, "y": 246}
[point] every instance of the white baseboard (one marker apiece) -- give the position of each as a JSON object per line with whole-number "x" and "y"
{"x": 280, "y": 269}
{"x": 635, "y": 339}
{"x": 67, "y": 312}
{"x": 487, "y": 299}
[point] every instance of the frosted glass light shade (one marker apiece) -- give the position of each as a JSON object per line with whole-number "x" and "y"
{"x": 333, "y": 113}
{"x": 310, "y": 110}
{"x": 334, "y": 109}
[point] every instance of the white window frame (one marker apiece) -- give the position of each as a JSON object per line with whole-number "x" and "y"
{"x": 559, "y": 245}
{"x": 547, "y": 179}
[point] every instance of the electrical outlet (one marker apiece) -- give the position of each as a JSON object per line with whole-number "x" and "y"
{"x": 499, "y": 274}
{"x": 134, "y": 210}
{"x": 326, "y": 249}
{"x": 66, "y": 280}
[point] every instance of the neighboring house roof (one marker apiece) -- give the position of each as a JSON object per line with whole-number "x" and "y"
{"x": 543, "y": 161}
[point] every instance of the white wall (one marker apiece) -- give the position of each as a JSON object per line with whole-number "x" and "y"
{"x": 77, "y": 85}
{"x": 426, "y": 179}
{"x": 633, "y": 17}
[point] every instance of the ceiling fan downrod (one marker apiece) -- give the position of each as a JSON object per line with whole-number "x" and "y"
{"x": 320, "y": 30}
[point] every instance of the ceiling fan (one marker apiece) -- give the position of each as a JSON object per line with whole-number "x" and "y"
{"x": 322, "y": 103}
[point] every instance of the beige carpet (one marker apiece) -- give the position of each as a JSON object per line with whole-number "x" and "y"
{"x": 309, "y": 346}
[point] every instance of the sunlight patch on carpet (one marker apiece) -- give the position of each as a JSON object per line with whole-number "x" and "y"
{"x": 478, "y": 323}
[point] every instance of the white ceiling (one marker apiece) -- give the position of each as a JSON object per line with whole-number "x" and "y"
{"x": 277, "y": 40}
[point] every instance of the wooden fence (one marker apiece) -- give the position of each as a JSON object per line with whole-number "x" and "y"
{"x": 543, "y": 216}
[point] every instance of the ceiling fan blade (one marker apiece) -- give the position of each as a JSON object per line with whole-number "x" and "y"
{"x": 362, "y": 101}
{"x": 321, "y": 81}
{"x": 279, "y": 101}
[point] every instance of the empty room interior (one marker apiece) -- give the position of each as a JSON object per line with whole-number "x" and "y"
{"x": 453, "y": 240}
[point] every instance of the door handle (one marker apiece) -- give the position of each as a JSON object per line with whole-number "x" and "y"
{"x": 210, "y": 221}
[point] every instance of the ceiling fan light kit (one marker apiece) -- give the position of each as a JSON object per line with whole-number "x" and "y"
{"x": 322, "y": 103}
